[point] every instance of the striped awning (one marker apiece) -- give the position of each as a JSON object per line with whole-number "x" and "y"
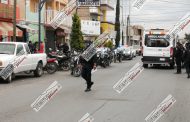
{"x": 6, "y": 29}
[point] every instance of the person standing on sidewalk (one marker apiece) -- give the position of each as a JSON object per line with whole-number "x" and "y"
{"x": 186, "y": 58}
{"x": 178, "y": 57}
{"x": 87, "y": 67}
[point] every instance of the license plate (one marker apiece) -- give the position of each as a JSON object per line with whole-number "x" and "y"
{"x": 162, "y": 59}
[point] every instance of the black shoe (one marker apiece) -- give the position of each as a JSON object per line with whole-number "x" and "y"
{"x": 87, "y": 90}
{"x": 178, "y": 73}
{"x": 91, "y": 84}
{"x": 188, "y": 76}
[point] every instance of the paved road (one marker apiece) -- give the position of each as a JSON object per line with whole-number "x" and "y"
{"x": 106, "y": 105}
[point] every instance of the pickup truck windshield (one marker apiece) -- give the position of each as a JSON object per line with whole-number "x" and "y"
{"x": 156, "y": 41}
{"x": 7, "y": 49}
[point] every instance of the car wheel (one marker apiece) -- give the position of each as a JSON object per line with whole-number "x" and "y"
{"x": 131, "y": 57}
{"x": 39, "y": 70}
{"x": 10, "y": 78}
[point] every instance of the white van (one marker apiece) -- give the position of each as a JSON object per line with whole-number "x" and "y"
{"x": 156, "y": 49}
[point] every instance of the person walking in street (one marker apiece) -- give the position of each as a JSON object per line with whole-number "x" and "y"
{"x": 178, "y": 57}
{"x": 87, "y": 67}
{"x": 186, "y": 58}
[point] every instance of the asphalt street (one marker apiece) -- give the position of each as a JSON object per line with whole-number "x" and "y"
{"x": 138, "y": 100}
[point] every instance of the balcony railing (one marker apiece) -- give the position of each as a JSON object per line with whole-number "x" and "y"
{"x": 108, "y": 3}
{"x": 50, "y": 14}
{"x": 6, "y": 11}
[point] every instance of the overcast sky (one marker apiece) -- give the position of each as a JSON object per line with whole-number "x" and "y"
{"x": 156, "y": 13}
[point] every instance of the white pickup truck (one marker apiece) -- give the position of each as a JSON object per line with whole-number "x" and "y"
{"x": 9, "y": 52}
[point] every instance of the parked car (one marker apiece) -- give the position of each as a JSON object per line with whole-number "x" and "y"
{"x": 128, "y": 53}
{"x": 137, "y": 48}
{"x": 133, "y": 51}
{"x": 9, "y": 51}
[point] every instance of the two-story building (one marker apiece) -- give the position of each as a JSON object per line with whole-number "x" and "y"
{"x": 60, "y": 35}
{"x": 97, "y": 13}
{"x": 6, "y": 20}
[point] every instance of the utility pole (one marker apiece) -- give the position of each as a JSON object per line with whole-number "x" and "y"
{"x": 14, "y": 21}
{"x": 128, "y": 26}
{"x": 40, "y": 6}
{"x": 122, "y": 25}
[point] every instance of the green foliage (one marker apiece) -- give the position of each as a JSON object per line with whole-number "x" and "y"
{"x": 117, "y": 23}
{"x": 109, "y": 44}
{"x": 77, "y": 42}
{"x": 187, "y": 37}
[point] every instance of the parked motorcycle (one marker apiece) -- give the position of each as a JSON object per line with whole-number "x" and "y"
{"x": 103, "y": 58}
{"x": 51, "y": 66}
{"x": 75, "y": 68}
{"x": 118, "y": 55}
{"x": 62, "y": 58}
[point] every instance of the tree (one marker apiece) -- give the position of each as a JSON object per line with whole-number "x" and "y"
{"x": 109, "y": 44}
{"x": 187, "y": 37}
{"x": 117, "y": 24}
{"x": 77, "y": 42}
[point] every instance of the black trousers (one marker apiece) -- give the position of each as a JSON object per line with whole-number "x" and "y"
{"x": 187, "y": 67}
{"x": 86, "y": 74}
{"x": 178, "y": 63}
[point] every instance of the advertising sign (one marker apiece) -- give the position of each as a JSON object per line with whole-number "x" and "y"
{"x": 90, "y": 27}
{"x": 88, "y": 2}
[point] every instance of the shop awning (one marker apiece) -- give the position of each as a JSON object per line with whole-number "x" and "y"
{"x": 28, "y": 29}
{"x": 6, "y": 29}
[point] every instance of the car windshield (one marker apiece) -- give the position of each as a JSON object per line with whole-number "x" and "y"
{"x": 7, "y": 49}
{"x": 156, "y": 41}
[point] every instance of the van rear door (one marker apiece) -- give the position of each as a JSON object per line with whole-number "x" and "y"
{"x": 156, "y": 45}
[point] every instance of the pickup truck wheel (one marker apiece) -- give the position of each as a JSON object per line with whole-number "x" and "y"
{"x": 39, "y": 70}
{"x": 145, "y": 65}
{"x": 9, "y": 79}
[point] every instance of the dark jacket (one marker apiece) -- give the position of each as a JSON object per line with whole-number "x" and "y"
{"x": 178, "y": 53}
{"x": 186, "y": 56}
{"x": 89, "y": 63}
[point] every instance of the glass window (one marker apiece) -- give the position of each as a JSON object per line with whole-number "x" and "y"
{"x": 19, "y": 49}
{"x": 27, "y": 48}
{"x": 156, "y": 41}
{"x": 7, "y": 48}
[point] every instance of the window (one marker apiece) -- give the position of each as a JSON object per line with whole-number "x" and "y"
{"x": 34, "y": 6}
{"x": 27, "y": 49}
{"x": 7, "y": 49}
{"x": 156, "y": 41}
{"x": 19, "y": 49}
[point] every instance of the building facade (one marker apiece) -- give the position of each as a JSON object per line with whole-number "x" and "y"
{"x": 97, "y": 13}
{"x": 56, "y": 37}
{"x": 6, "y": 20}
{"x": 136, "y": 34}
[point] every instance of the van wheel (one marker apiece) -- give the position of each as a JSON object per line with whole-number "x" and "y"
{"x": 39, "y": 70}
{"x": 145, "y": 65}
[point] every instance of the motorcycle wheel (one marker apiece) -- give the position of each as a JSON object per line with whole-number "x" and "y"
{"x": 66, "y": 66}
{"x": 51, "y": 67}
{"x": 77, "y": 72}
